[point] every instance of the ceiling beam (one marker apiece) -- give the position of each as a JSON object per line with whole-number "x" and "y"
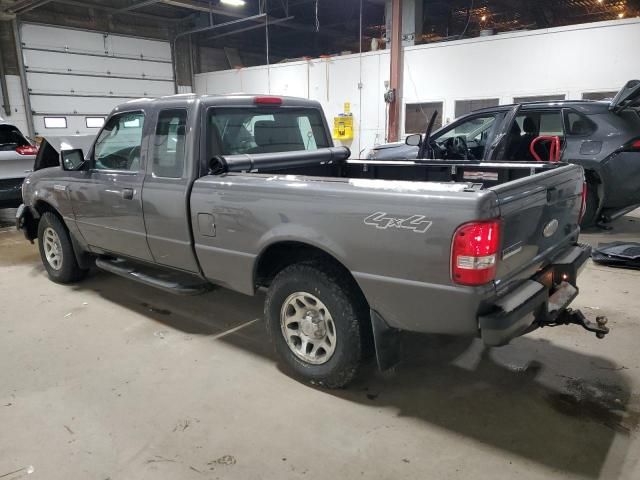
{"x": 246, "y": 29}
{"x": 26, "y": 6}
{"x": 114, "y": 11}
{"x": 144, "y": 3}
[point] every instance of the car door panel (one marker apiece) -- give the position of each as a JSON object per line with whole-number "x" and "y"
{"x": 107, "y": 202}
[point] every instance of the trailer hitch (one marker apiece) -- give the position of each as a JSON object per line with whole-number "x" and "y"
{"x": 570, "y": 316}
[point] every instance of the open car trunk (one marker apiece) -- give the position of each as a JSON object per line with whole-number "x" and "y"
{"x": 628, "y": 97}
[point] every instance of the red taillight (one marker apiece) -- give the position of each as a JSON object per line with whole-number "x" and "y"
{"x": 27, "y": 150}
{"x": 583, "y": 205}
{"x": 268, "y": 101}
{"x": 474, "y": 252}
{"x": 635, "y": 145}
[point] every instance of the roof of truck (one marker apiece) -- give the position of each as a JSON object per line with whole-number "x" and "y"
{"x": 235, "y": 99}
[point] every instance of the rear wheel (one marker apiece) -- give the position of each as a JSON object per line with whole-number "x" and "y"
{"x": 590, "y": 217}
{"x": 56, "y": 250}
{"x": 316, "y": 319}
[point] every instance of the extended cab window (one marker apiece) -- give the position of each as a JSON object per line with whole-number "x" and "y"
{"x": 266, "y": 130}
{"x": 118, "y": 145}
{"x": 168, "y": 144}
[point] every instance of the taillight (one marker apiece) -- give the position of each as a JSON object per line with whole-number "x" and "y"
{"x": 583, "y": 205}
{"x": 27, "y": 150}
{"x": 474, "y": 252}
{"x": 268, "y": 101}
{"x": 635, "y": 145}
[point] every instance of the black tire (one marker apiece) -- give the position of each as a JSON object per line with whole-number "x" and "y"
{"x": 590, "y": 217}
{"x": 67, "y": 270}
{"x": 348, "y": 310}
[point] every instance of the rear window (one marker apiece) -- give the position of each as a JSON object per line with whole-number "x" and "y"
{"x": 266, "y": 130}
{"x": 11, "y": 138}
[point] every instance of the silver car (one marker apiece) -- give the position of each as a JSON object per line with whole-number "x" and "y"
{"x": 17, "y": 156}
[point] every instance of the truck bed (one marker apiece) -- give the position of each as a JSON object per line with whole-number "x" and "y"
{"x": 354, "y": 210}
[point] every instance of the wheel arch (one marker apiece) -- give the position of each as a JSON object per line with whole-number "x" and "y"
{"x": 39, "y": 208}
{"x": 280, "y": 254}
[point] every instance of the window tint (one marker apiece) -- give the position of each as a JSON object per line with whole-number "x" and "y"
{"x": 539, "y": 98}
{"x": 467, "y": 106}
{"x": 118, "y": 145}
{"x": 169, "y": 143}
{"x": 540, "y": 123}
{"x": 578, "y": 124}
{"x": 417, "y": 116}
{"x": 474, "y": 132}
{"x": 11, "y": 138}
{"x": 265, "y": 130}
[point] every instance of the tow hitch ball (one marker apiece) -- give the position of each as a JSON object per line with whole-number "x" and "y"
{"x": 570, "y": 316}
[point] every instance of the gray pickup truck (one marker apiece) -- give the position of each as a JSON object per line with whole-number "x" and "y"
{"x": 249, "y": 193}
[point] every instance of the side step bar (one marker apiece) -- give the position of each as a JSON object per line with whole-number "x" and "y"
{"x": 172, "y": 282}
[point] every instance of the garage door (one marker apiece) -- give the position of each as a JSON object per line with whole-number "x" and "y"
{"x": 76, "y": 77}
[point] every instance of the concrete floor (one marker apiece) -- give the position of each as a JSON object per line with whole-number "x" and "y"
{"x": 109, "y": 379}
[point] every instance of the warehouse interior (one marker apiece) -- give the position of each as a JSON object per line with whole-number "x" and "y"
{"x": 115, "y": 379}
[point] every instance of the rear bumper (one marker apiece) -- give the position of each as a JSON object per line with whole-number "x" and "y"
{"x": 537, "y": 302}
{"x": 11, "y": 192}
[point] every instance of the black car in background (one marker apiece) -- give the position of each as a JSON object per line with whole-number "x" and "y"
{"x": 603, "y": 137}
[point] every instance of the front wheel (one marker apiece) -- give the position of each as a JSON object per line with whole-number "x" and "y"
{"x": 316, "y": 318}
{"x": 56, "y": 250}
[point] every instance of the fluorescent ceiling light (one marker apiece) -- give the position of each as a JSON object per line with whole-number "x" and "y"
{"x": 234, "y": 3}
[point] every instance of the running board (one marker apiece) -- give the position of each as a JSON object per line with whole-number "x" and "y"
{"x": 173, "y": 282}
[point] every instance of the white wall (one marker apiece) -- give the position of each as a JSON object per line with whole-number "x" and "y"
{"x": 568, "y": 60}
{"x": 18, "y": 116}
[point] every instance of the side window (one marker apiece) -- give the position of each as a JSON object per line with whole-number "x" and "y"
{"x": 169, "y": 143}
{"x": 118, "y": 145}
{"x": 529, "y": 126}
{"x": 466, "y": 140}
{"x": 537, "y": 124}
{"x": 578, "y": 124}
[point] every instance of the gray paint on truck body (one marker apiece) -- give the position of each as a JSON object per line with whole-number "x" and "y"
{"x": 404, "y": 274}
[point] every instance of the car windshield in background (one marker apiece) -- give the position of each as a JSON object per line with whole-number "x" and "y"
{"x": 267, "y": 130}
{"x": 11, "y": 138}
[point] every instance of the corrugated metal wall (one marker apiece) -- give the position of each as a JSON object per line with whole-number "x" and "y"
{"x": 80, "y": 76}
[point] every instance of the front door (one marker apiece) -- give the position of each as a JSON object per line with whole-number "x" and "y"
{"x": 107, "y": 200}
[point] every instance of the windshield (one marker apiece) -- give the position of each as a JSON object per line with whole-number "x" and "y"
{"x": 265, "y": 130}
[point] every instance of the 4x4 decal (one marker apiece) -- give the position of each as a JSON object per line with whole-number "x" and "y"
{"x": 381, "y": 220}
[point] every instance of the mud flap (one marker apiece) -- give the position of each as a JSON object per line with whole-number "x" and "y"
{"x": 387, "y": 342}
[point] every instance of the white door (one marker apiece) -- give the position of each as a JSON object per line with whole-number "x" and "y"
{"x": 76, "y": 77}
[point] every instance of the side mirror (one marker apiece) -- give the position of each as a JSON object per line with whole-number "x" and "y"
{"x": 72, "y": 160}
{"x": 414, "y": 140}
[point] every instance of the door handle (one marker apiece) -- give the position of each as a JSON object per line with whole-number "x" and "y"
{"x": 127, "y": 193}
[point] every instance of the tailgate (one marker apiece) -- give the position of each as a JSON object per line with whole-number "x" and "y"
{"x": 540, "y": 217}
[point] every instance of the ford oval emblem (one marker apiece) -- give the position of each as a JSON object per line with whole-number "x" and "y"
{"x": 550, "y": 228}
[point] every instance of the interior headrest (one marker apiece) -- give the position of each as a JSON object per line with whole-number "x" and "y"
{"x": 529, "y": 126}
{"x": 262, "y": 131}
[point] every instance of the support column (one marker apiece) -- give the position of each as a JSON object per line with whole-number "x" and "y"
{"x": 396, "y": 71}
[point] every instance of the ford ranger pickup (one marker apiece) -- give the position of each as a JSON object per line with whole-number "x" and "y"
{"x": 249, "y": 193}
